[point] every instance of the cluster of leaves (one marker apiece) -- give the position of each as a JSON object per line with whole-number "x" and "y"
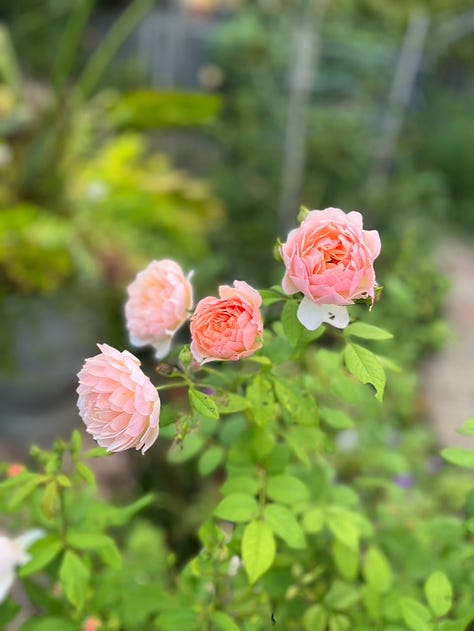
{"x": 307, "y": 523}
{"x": 60, "y": 499}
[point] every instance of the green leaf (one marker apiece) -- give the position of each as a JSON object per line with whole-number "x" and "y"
{"x": 223, "y": 622}
{"x": 366, "y": 367}
{"x": 415, "y": 615}
{"x": 48, "y": 623}
{"x": 468, "y": 428}
{"x": 298, "y": 404}
{"x": 338, "y": 419}
{"x": 305, "y": 441}
{"x": 260, "y": 395}
{"x": 377, "y": 571}
{"x": 272, "y": 295}
{"x": 313, "y": 520}
{"x": 110, "y": 555}
{"x": 237, "y": 507}
{"x": 277, "y": 459}
{"x": 287, "y": 489}
{"x": 42, "y": 553}
{"x": 63, "y": 481}
{"x": 346, "y": 560}
{"x": 339, "y": 622}
{"x": 439, "y": 593}
{"x": 240, "y": 483}
{"x": 150, "y": 109}
{"x": 460, "y": 457}
{"x": 180, "y": 618}
{"x": 88, "y": 540}
{"x": 76, "y": 443}
{"x": 291, "y": 325}
{"x": 8, "y": 611}
{"x": 120, "y": 515}
{"x": 97, "y": 452}
{"x": 203, "y": 404}
{"x": 230, "y": 403}
{"x": 26, "y": 489}
{"x": 341, "y": 596}
{"x": 258, "y": 549}
{"x": 283, "y": 523}
{"x": 74, "y": 577}
{"x": 261, "y": 443}
{"x": 367, "y": 331}
{"x": 371, "y": 600}
{"x": 86, "y": 473}
{"x": 343, "y": 525}
{"x": 49, "y": 499}
{"x": 315, "y": 618}
{"x": 461, "y": 624}
{"x": 388, "y": 364}
{"x": 210, "y": 459}
{"x": 185, "y": 450}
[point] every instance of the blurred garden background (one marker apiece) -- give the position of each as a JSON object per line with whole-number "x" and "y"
{"x": 194, "y": 130}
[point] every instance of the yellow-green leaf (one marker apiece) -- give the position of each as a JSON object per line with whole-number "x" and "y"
{"x": 258, "y": 549}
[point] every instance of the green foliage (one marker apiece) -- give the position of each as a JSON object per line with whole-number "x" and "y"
{"x": 152, "y": 110}
{"x": 298, "y": 526}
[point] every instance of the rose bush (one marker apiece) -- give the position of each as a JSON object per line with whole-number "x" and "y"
{"x": 310, "y": 514}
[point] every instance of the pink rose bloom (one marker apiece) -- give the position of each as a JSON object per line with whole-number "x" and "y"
{"x": 159, "y": 301}
{"x": 227, "y": 328}
{"x": 117, "y": 402}
{"x": 329, "y": 258}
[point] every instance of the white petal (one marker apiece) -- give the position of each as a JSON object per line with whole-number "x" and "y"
{"x": 162, "y": 347}
{"x": 26, "y": 540}
{"x": 336, "y": 316}
{"x": 310, "y": 314}
{"x": 136, "y": 341}
{"x": 288, "y": 286}
{"x": 6, "y": 582}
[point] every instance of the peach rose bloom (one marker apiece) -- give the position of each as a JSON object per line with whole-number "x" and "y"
{"x": 159, "y": 301}
{"x": 229, "y": 327}
{"x": 117, "y": 402}
{"x": 329, "y": 258}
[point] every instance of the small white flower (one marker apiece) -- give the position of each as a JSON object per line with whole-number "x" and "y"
{"x": 12, "y": 555}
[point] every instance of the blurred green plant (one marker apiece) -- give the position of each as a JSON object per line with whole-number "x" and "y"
{"x": 80, "y": 198}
